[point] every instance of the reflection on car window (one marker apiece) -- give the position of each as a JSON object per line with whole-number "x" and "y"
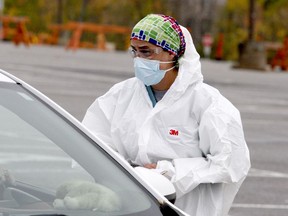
{"x": 32, "y": 156}
{"x": 57, "y": 167}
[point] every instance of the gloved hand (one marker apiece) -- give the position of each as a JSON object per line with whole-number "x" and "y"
{"x": 166, "y": 167}
{"x": 6, "y": 178}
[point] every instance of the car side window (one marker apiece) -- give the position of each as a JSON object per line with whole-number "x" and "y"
{"x": 38, "y": 160}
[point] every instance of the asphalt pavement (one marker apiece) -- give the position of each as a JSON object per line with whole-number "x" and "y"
{"x": 74, "y": 79}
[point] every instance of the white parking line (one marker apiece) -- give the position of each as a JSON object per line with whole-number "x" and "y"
{"x": 261, "y": 206}
{"x": 266, "y": 173}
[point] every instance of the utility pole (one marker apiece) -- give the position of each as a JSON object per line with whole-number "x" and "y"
{"x": 82, "y": 17}
{"x": 251, "y": 20}
{"x": 59, "y": 11}
{"x": 252, "y": 54}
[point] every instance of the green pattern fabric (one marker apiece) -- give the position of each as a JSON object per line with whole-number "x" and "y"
{"x": 160, "y": 30}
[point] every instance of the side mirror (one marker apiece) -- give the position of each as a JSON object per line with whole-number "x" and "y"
{"x": 159, "y": 182}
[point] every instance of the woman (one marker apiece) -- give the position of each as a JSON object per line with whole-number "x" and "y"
{"x": 166, "y": 118}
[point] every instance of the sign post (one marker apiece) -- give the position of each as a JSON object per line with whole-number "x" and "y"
{"x": 207, "y": 42}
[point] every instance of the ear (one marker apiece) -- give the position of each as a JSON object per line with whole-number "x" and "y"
{"x": 175, "y": 59}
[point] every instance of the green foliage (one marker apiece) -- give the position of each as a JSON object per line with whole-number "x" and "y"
{"x": 275, "y": 19}
{"x": 233, "y": 24}
{"x": 42, "y": 13}
{"x": 270, "y": 23}
{"x": 271, "y": 17}
{"x": 124, "y": 12}
{"x": 38, "y": 11}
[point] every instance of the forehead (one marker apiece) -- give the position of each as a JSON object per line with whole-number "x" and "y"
{"x": 141, "y": 44}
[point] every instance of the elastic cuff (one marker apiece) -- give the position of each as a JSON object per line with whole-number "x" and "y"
{"x": 167, "y": 168}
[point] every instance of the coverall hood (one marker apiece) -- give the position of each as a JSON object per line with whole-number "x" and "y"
{"x": 189, "y": 71}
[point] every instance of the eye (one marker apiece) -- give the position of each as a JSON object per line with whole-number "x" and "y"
{"x": 145, "y": 53}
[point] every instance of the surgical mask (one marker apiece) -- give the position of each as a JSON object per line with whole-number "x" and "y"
{"x": 148, "y": 71}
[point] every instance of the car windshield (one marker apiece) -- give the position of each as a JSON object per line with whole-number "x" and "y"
{"x": 48, "y": 166}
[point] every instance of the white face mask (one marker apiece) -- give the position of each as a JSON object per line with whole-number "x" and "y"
{"x": 148, "y": 71}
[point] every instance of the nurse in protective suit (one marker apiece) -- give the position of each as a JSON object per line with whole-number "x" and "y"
{"x": 166, "y": 118}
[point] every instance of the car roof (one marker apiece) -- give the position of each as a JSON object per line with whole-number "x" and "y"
{"x": 5, "y": 78}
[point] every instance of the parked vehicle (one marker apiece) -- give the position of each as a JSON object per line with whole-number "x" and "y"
{"x": 50, "y": 164}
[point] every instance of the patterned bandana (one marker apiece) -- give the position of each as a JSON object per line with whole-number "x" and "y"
{"x": 162, "y": 31}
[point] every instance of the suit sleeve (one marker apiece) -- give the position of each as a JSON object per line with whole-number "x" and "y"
{"x": 98, "y": 116}
{"x": 225, "y": 153}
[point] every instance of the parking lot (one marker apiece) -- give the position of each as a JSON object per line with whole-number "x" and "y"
{"x": 75, "y": 79}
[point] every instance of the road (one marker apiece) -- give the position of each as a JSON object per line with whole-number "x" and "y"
{"x": 75, "y": 79}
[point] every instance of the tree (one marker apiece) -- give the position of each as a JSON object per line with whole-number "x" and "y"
{"x": 270, "y": 23}
{"x": 275, "y": 15}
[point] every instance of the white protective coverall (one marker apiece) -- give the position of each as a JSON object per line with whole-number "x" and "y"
{"x": 193, "y": 132}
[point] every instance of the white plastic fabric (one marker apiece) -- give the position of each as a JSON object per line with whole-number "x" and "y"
{"x": 193, "y": 133}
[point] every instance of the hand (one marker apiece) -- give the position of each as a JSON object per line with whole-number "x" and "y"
{"x": 6, "y": 178}
{"x": 150, "y": 166}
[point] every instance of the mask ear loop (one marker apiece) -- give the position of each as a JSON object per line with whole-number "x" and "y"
{"x": 167, "y": 62}
{"x": 170, "y": 68}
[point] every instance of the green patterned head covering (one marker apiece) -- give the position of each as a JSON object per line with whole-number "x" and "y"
{"x": 162, "y": 31}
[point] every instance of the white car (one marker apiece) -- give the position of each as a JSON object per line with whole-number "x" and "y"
{"x": 51, "y": 165}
